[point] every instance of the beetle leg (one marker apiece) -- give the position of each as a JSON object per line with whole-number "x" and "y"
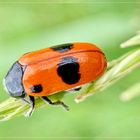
{"x": 25, "y": 101}
{"x": 47, "y": 100}
{"x": 32, "y": 104}
{"x": 74, "y": 89}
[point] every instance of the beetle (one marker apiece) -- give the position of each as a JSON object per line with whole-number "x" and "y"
{"x": 48, "y": 71}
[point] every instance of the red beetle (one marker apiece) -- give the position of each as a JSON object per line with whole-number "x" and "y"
{"x": 50, "y": 70}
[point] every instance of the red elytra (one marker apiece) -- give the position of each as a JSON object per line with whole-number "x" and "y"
{"x": 62, "y": 67}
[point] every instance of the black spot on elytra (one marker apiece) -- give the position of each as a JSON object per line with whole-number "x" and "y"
{"x": 68, "y": 70}
{"x": 36, "y": 88}
{"x": 63, "y": 47}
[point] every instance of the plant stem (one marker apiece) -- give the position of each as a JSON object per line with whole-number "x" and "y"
{"x": 117, "y": 69}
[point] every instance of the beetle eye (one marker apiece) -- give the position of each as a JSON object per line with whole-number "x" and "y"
{"x": 36, "y": 88}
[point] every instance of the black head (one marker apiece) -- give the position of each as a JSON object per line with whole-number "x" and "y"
{"x": 13, "y": 81}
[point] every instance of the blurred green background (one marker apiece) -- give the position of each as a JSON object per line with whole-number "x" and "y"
{"x": 26, "y": 26}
